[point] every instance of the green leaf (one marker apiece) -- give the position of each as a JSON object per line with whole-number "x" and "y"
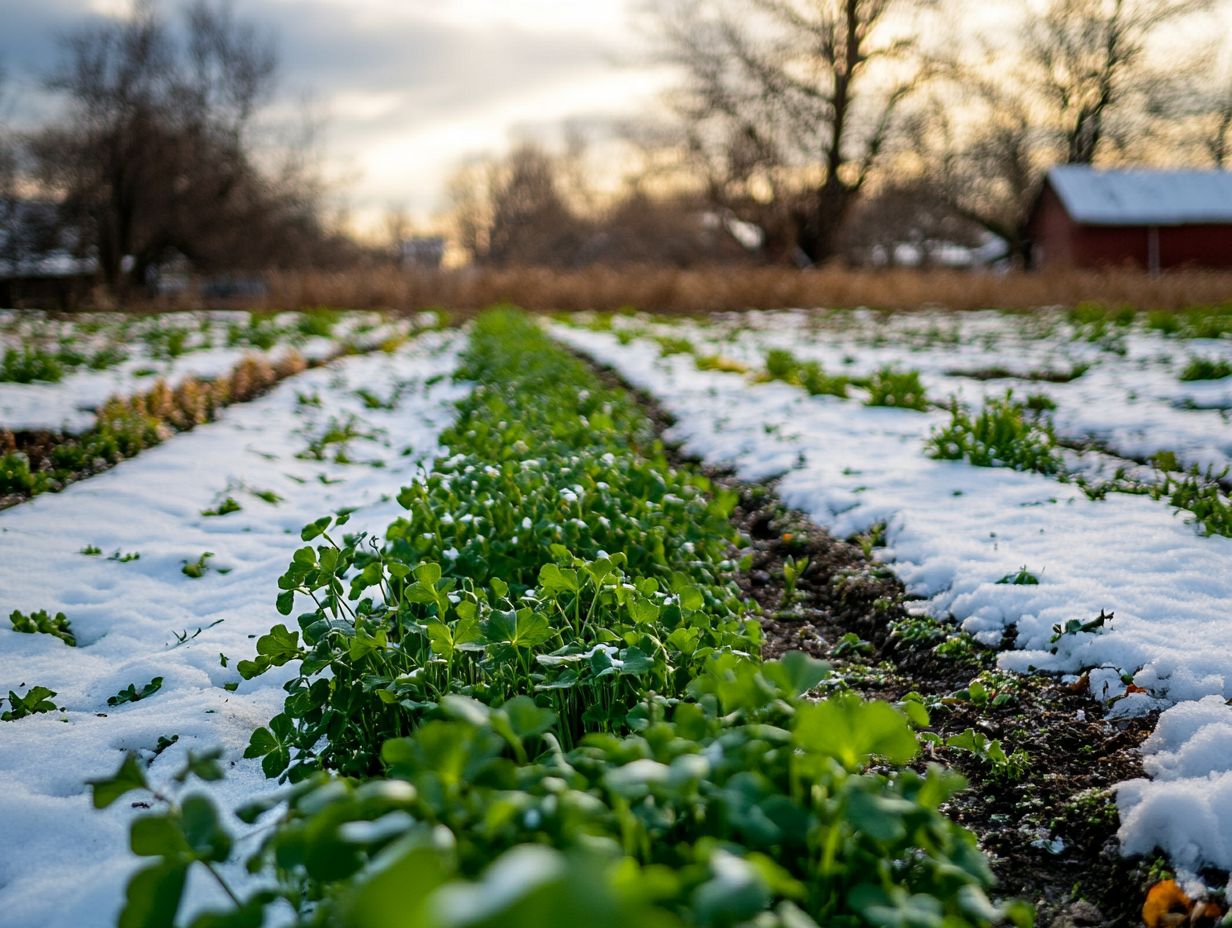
{"x": 556, "y": 579}
{"x": 129, "y": 777}
{"x": 203, "y": 829}
{"x": 157, "y": 836}
{"x": 152, "y": 898}
{"x": 315, "y": 529}
{"x": 428, "y": 573}
{"x": 851, "y": 730}
{"x": 800, "y": 671}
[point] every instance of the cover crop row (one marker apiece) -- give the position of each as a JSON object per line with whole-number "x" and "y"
{"x": 540, "y": 700}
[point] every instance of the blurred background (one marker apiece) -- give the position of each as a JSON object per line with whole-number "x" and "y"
{"x": 736, "y": 152}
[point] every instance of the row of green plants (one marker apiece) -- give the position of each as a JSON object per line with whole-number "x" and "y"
{"x": 885, "y": 386}
{"x": 34, "y": 364}
{"x": 1008, "y": 433}
{"x": 125, "y": 426}
{"x": 46, "y": 354}
{"x": 539, "y": 698}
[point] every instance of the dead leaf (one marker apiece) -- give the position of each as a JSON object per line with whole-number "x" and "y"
{"x": 1166, "y": 906}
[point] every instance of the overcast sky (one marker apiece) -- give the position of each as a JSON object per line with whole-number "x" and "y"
{"x": 407, "y": 87}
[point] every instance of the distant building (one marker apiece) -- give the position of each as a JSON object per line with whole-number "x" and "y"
{"x": 1154, "y": 220}
{"x": 38, "y": 265}
{"x": 422, "y": 251}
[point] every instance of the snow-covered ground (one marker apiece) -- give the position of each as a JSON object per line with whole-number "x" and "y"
{"x": 1130, "y": 397}
{"x": 65, "y": 865}
{"x": 954, "y": 530}
{"x": 69, "y": 404}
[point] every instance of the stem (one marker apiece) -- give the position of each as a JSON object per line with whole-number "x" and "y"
{"x": 235, "y": 900}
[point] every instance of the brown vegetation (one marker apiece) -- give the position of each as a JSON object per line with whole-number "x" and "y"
{"x": 706, "y": 290}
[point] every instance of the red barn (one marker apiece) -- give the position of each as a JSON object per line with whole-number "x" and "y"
{"x": 1153, "y": 220}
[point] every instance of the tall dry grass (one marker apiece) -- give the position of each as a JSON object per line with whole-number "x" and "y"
{"x": 697, "y": 291}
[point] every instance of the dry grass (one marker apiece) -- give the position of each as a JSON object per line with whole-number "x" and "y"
{"x": 696, "y": 291}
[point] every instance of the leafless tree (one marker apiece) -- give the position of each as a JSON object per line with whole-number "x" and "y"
{"x": 1082, "y": 86}
{"x": 792, "y": 102}
{"x": 9, "y": 200}
{"x": 1088, "y": 59}
{"x": 156, "y": 156}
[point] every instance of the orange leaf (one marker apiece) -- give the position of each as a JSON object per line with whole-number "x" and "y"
{"x": 1166, "y": 906}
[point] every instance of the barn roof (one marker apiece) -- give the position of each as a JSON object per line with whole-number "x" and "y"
{"x": 1140, "y": 197}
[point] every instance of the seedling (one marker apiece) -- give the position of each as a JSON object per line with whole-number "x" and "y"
{"x": 902, "y": 389}
{"x": 1023, "y": 577}
{"x": 43, "y": 623}
{"x": 1206, "y": 369}
{"x": 793, "y": 569}
{"x": 37, "y": 699}
{"x": 184, "y": 637}
{"x": 1078, "y": 627}
{"x": 201, "y": 566}
{"x": 131, "y": 694}
{"x": 91, "y": 551}
{"x": 226, "y": 507}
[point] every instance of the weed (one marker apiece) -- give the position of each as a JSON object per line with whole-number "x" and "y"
{"x": 131, "y": 694}
{"x": 198, "y": 568}
{"x": 1023, "y": 577}
{"x": 1000, "y": 435}
{"x": 1079, "y": 627}
{"x": 43, "y": 623}
{"x": 902, "y": 389}
{"x": 818, "y": 383}
{"x": 37, "y": 699}
{"x": 30, "y": 365}
{"x": 226, "y": 507}
{"x": 793, "y": 569}
{"x": 999, "y": 766}
{"x": 1206, "y": 369}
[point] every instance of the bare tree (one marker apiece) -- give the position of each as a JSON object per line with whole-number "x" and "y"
{"x": 9, "y": 199}
{"x": 1088, "y": 61}
{"x": 1083, "y": 85}
{"x": 155, "y": 156}
{"x": 792, "y": 102}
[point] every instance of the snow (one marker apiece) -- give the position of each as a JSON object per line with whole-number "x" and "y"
{"x": 1130, "y": 399}
{"x": 1143, "y": 197}
{"x": 954, "y": 530}
{"x": 127, "y": 615}
{"x": 70, "y": 404}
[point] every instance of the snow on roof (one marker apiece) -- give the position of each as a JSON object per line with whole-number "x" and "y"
{"x": 1143, "y": 197}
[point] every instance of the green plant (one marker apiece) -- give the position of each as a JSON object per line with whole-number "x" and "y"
{"x": 1206, "y": 369}
{"x": 131, "y": 694}
{"x": 37, "y": 699}
{"x": 1202, "y": 494}
{"x": 745, "y": 804}
{"x": 30, "y": 365}
{"x": 903, "y": 389}
{"x": 43, "y": 623}
{"x": 817, "y": 382}
{"x": 1000, "y": 435}
{"x": 226, "y": 507}
{"x": 1023, "y": 577}
{"x": 91, "y": 551}
{"x": 200, "y": 567}
{"x": 781, "y": 365}
{"x": 546, "y": 659}
{"x": 793, "y": 569}
{"x": 1007, "y": 768}
{"x": 1079, "y": 627}
{"x": 1039, "y": 403}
